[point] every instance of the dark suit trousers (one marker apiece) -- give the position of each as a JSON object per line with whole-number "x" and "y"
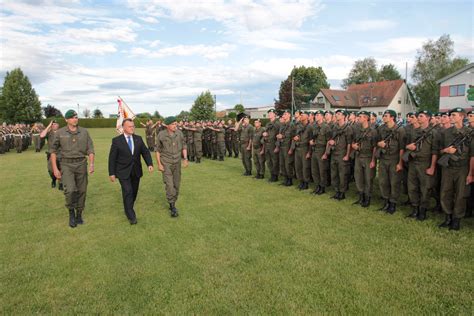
{"x": 129, "y": 194}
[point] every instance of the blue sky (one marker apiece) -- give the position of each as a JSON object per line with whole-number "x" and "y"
{"x": 161, "y": 54}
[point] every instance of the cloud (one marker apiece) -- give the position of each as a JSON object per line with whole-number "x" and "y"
{"x": 208, "y": 52}
{"x": 371, "y": 25}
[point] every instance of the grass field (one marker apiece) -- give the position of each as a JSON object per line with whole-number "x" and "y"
{"x": 240, "y": 245}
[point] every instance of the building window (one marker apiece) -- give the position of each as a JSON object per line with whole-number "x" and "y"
{"x": 374, "y": 99}
{"x": 320, "y": 100}
{"x": 380, "y": 113}
{"x": 399, "y": 101}
{"x": 457, "y": 90}
{"x": 336, "y": 97}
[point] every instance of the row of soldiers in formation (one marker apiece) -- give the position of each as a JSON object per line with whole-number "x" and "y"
{"x": 427, "y": 156}
{"x": 20, "y": 136}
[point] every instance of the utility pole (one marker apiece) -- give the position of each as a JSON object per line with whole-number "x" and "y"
{"x": 78, "y": 110}
{"x": 215, "y": 105}
{"x": 292, "y": 93}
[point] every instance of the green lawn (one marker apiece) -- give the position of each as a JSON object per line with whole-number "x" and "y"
{"x": 240, "y": 245}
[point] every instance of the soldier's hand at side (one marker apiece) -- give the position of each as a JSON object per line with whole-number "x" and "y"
{"x": 355, "y": 146}
{"x": 150, "y": 169}
{"x": 308, "y": 156}
{"x": 161, "y": 168}
{"x": 91, "y": 169}
{"x": 430, "y": 171}
{"x": 372, "y": 164}
{"x": 399, "y": 167}
{"x": 331, "y": 142}
{"x": 381, "y": 144}
{"x": 345, "y": 158}
{"x": 57, "y": 173}
{"x": 185, "y": 163}
{"x": 261, "y": 152}
{"x": 112, "y": 178}
{"x": 324, "y": 157}
{"x": 411, "y": 147}
{"x": 312, "y": 142}
{"x": 290, "y": 152}
{"x": 469, "y": 179}
{"x": 276, "y": 150}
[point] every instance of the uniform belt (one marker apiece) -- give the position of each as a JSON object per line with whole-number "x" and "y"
{"x": 72, "y": 160}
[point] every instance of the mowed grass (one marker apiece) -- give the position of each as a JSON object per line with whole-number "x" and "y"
{"x": 240, "y": 245}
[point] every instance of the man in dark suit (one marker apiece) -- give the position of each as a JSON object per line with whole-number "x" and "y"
{"x": 125, "y": 164}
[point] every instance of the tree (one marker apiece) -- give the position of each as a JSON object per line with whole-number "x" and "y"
{"x": 232, "y": 115}
{"x": 433, "y": 62}
{"x": 157, "y": 115}
{"x": 97, "y": 114}
{"x": 51, "y": 111}
{"x": 307, "y": 81}
{"x": 388, "y": 72}
{"x": 19, "y": 101}
{"x": 239, "y": 108}
{"x": 203, "y": 107}
{"x": 87, "y": 113}
{"x": 364, "y": 70}
{"x": 144, "y": 115}
{"x": 183, "y": 115}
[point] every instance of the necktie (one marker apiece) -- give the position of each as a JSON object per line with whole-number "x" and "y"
{"x": 129, "y": 141}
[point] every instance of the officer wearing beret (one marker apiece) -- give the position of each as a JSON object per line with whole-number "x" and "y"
{"x": 170, "y": 150}
{"x": 320, "y": 135}
{"x": 74, "y": 144}
{"x": 459, "y": 169}
{"x": 246, "y": 136}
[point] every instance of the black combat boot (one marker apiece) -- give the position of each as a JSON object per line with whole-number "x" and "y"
{"x": 60, "y": 186}
{"x": 392, "y": 208}
{"x": 321, "y": 191}
{"x": 305, "y": 186}
{"x": 236, "y": 156}
{"x": 290, "y": 182}
{"x": 385, "y": 206}
{"x": 198, "y": 160}
{"x": 414, "y": 212}
{"x": 276, "y": 178}
{"x": 447, "y": 221}
{"x": 316, "y": 190}
{"x": 221, "y": 158}
{"x": 359, "y": 201}
{"x": 300, "y": 186}
{"x": 79, "y": 220}
{"x": 72, "y": 219}
{"x": 455, "y": 224}
{"x": 366, "y": 201}
{"x": 284, "y": 181}
{"x": 336, "y": 195}
{"x": 53, "y": 183}
{"x": 342, "y": 196}
{"x": 173, "y": 210}
{"x": 421, "y": 214}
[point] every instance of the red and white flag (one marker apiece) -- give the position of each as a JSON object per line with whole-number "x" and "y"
{"x": 124, "y": 112}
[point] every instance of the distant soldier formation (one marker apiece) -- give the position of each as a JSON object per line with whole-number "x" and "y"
{"x": 427, "y": 157}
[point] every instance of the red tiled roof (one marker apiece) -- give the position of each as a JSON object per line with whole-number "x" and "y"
{"x": 372, "y": 94}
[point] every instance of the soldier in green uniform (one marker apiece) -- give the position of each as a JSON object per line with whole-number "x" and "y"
{"x": 49, "y": 133}
{"x": 246, "y": 135}
{"x": 340, "y": 146}
{"x": 35, "y": 134}
{"x": 150, "y": 129}
{"x": 259, "y": 150}
{"x": 363, "y": 147}
{"x": 421, "y": 153}
{"x": 18, "y": 138}
{"x": 300, "y": 142}
{"x": 320, "y": 134}
{"x": 170, "y": 149}
{"x": 284, "y": 138}
{"x": 470, "y": 177}
{"x": 271, "y": 153}
{"x": 391, "y": 144}
{"x": 235, "y": 136}
{"x": 228, "y": 137}
{"x": 412, "y": 123}
{"x": 458, "y": 142}
{"x": 74, "y": 144}
{"x": 3, "y": 140}
{"x": 190, "y": 141}
{"x": 219, "y": 132}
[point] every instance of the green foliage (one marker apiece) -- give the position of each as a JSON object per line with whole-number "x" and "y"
{"x": 239, "y": 108}
{"x": 434, "y": 61}
{"x": 232, "y": 115}
{"x": 144, "y": 115}
{"x": 51, "y": 111}
{"x": 97, "y": 114}
{"x": 157, "y": 115}
{"x": 240, "y": 246}
{"x": 365, "y": 70}
{"x": 183, "y": 115}
{"x": 203, "y": 107}
{"x": 308, "y": 81}
{"x": 19, "y": 101}
{"x": 86, "y": 113}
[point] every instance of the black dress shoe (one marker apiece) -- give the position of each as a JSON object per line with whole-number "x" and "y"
{"x": 173, "y": 210}
{"x": 447, "y": 221}
{"x": 305, "y": 186}
{"x": 316, "y": 190}
{"x": 385, "y": 206}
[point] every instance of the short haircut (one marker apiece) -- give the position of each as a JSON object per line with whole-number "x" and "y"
{"x": 126, "y": 120}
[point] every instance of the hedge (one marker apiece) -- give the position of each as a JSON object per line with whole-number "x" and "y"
{"x": 93, "y": 123}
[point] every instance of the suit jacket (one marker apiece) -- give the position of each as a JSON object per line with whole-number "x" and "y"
{"x": 121, "y": 160}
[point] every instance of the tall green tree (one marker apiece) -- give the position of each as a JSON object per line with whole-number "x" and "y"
{"x": 51, "y": 111}
{"x": 97, "y": 114}
{"x": 388, "y": 72}
{"x": 365, "y": 70}
{"x": 203, "y": 107}
{"x": 19, "y": 101}
{"x": 307, "y": 83}
{"x": 183, "y": 116}
{"x": 239, "y": 108}
{"x": 434, "y": 60}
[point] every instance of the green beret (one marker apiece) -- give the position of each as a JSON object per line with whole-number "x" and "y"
{"x": 425, "y": 112}
{"x": 299, "y": 111}
{"x": 373, "y": 114}
{"x": 363, "y": 113}
{"x": 170, "y": 120}
{"x": 471, "y": 112}
{"x": 306, "y": 112}
{"x": 411, "y": 114}
{"x": 271, "y": 110}
{"x": 391, "y": 112}
{"x": 344, "y": 112}
{"x": 437, "y": 114}
{"x": 457, "y": 110}
{"x": 286, "y": 111}
{"x": 320, "y": 112}
{"x": 444, "y": 113}
{"x": 330, "y": 112}
{"x": 70, "y": 114}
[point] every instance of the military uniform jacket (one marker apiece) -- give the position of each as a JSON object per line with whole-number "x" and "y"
{"x": 257, "y": 141}
{"x": 304, "y": 132}
{"x": 198, "y": 135}
{"x": 467, "y": 148}
{"x": 343, "y": 136}
{"x": 288, "y": 131}
{"x": 321, "y": 134}
{"x": 246, "y": 134}
{"x": 72, "y": 145}
{"x": 367, "y": 140}
{"x": 272, "y": 128}
{"x": 220, "y": 135}
{"x": 397, "y": 142}
{"x": 170, "y": 146}
{"x": 429, "y": 147}
{"x": 228, "y": 133}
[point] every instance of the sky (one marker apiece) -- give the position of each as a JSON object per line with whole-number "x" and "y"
{"x": 159, "y": 55}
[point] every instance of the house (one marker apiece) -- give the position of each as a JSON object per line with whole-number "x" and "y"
{"x": 373, "y": 96}
{"x": 254, "y": 112}
{"x": 457, "y": 89}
